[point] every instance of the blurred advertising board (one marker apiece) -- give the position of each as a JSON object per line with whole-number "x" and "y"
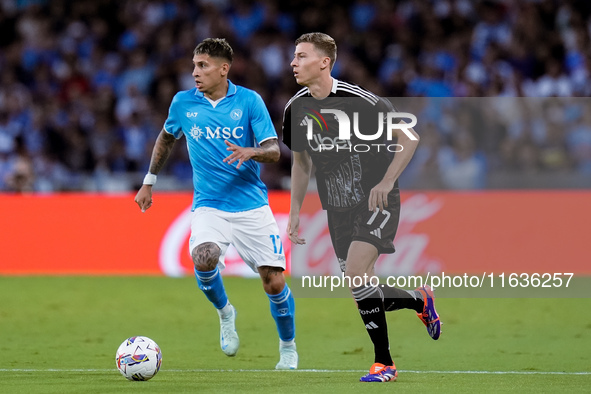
{"x": 452, "y": 232}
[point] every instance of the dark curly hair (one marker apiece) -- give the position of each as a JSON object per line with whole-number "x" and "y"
{"x": 215, "y": 47}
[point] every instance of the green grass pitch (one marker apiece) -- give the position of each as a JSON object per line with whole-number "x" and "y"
{"x": 60, "y": 334}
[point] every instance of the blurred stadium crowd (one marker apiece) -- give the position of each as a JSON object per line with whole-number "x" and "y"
{"x": 85, "y": 85}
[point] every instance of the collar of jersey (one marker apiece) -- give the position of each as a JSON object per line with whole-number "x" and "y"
{"x": 231, "y": 90}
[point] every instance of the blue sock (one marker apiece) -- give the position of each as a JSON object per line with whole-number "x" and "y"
{"x": 283, "y": 311}
{"x": 210, "y": 282}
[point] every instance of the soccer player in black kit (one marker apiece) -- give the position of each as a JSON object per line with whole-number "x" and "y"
{"x": 357, "y": 188}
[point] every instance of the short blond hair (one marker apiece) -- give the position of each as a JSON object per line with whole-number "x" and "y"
{"x": 323, "y": 43}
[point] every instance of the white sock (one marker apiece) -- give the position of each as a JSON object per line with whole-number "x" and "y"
{"x": 225, "y": 311}
{"x": 283, "y": 344}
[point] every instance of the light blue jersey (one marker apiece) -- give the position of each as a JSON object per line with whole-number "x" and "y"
{"x": 240, "y": 117}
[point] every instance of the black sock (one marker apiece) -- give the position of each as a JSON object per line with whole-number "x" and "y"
{"x": 371, "y": 309}
{"x": 395, "y": 299}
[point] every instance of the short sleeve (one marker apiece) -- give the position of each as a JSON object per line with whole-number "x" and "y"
{"x": 286, "y": 128}
{"x": 260, "y": 120}
{"x": 294, "y": 141}
{"x": 172, "y": 125}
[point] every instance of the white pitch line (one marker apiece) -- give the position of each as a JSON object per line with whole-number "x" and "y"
{"x": 310, "y": 370}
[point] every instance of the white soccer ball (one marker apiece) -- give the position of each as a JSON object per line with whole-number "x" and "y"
{"x": 138, "y": 358}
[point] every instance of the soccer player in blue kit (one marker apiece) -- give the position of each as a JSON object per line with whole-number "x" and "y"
{"x": 228, "y": 130}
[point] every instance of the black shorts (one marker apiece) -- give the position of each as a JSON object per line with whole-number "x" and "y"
{"x": 359, "y": 224}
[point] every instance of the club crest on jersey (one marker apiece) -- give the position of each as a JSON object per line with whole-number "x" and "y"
{"x": 236, "y": 114}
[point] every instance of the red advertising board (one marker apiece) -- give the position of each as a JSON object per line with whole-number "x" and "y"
{"x": 467, "y": 232}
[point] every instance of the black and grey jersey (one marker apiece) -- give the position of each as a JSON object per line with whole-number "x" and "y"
{"x": 346, "y": 169}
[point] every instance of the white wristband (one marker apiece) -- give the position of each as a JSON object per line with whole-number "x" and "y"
{"x": 150, "y": 179}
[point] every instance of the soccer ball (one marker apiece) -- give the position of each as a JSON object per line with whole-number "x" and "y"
{"x": 138, "y": 358}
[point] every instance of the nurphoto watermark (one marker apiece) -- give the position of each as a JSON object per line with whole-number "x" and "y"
{"x": 351, "y": 124}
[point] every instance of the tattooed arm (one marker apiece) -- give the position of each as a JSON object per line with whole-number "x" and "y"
{"x": 268, "y": 152}
{"x": 160, "y": 153}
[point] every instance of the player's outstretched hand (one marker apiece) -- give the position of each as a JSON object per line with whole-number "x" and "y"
{"x": 143, "y": 198}
{"x": 378, "y": 196}
{"x": 239, "y": 153}
{"x": 293, "y": 225}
